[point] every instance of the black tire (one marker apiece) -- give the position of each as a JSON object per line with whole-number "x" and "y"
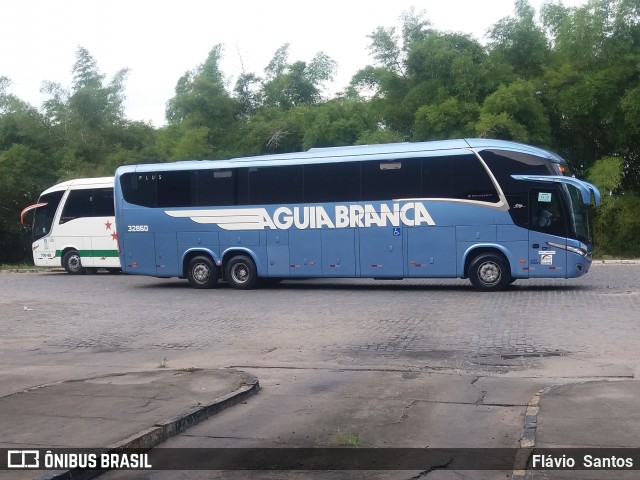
{"x": 72, "y": 263}
{"x": 202, "y": 272}
{"x": 489, "y": 272}
{"x": 241, "y": 273}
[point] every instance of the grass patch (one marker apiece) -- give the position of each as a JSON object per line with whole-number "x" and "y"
{"x": 17, "y": 266}
{"x": 349, "y": 440}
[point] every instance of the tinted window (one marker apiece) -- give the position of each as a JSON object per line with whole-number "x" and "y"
{"x": 139, "y": 188}
{"x": 390, "y": 180}
{"x": 332, "y": 182}
{"x": 504, "y": 163}
{"x": 438, "y": 177}
{"x": 176, "y": 189}
{"x": 458, "y": 176}
{"x": 92, "y": 202}
{"x": 275, "y": 185}
{"x": 43, "y": 217}
{"x": 217, "y": 187}
{"x": 103, "y": 202}
{"x": 79, "y": 204}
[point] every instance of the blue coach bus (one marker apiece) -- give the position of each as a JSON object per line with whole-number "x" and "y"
{"x": 488, "y": 210}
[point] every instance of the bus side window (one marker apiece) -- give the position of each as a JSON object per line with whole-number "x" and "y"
{"x": 332, "y": 182}
{"x": 103, "y": 202}
{"x": 79, "y": 204}
{"x": 275, "y": 185}
{"x": 139, "y": 188}
{"x": 457, "y": 176}
{"x": 176, "y": 189}
{"x": 389, "y": 180}
{"x": 217, "y": 187}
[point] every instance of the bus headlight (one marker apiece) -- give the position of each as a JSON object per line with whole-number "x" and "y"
{"x": 579, "y": 251}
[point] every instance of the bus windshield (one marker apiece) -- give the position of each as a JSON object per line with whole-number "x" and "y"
{"x": 43, "y": 217}
{"x": 578, "y": 214}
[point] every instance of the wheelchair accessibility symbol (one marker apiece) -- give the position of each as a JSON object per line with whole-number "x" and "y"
{"x": 396, "y": 232}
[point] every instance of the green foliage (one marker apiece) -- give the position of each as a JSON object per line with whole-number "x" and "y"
{"x": 23, "y": 175}
{"x": 336, "y": 123}
{"x": 521, "y": 41}
{"x": 514, "y": 112}
{"x": 289, "y": 85}
{"x": 202, "y": 104}
{"x": 616, "y": 227}
{"x": 606, "y": 174}
{"x": 616, "y": 223}
{"x": 452, "y": 118}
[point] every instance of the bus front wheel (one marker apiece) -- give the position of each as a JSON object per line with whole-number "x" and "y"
{"x": 241, "y": 273}
{"x": 489, "y": 272}
{"x": 202, "y": 272}
{"x": 72, "y": 263}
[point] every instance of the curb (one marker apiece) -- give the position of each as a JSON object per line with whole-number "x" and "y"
{"x": 33, "y": 270}
{"x": 528, "y": 438}
{"x": 162, "y": 431}
{"x": 616, "y": 262}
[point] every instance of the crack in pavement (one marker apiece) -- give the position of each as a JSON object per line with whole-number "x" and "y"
{"x": 424, "y": 473}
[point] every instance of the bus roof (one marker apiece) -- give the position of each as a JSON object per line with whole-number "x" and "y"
{"x": 81, "y": 183}
{"x": 352, "y": 153}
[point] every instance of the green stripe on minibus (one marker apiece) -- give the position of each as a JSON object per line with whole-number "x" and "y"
{"x": 93, "y": 253}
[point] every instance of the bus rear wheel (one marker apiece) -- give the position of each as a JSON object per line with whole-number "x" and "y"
{"x": 202, "y": 272}
{"x": 72, "y": 263}
{"x": 489, "y": 272}
{"x": 241, "y": 273}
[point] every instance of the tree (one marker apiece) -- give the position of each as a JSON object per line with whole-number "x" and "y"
{"x": 452, "y": 118}
{"x": 87, "y": 119}
{"x": 617, "y": 224}
{"x": 591, "y": 80}
{"x": 521, "y": 41}
{"x": 201, "y": 101}
{"x": 287, "y": 85}
{"x": 514, "y": 112}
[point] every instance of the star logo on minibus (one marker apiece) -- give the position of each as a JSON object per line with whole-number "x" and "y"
{"x": 108, "y": 225}
{"x": 114, "y": 236}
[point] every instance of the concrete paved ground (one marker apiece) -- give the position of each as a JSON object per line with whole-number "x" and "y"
{"x": 412, "y": 363}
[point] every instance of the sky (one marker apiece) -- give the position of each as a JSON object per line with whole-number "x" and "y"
{"x": 158, "y": 41}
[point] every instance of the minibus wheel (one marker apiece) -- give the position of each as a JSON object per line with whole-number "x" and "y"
{"x": 489, "y": 272}
{"x": 72, "y": 263}
{"x": 241, "y": 273}
{"x": 202, "y": 272}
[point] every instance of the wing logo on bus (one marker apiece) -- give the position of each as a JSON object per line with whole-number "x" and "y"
{"x": 410, "y": 214}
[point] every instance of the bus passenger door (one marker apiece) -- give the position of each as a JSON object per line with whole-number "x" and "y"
{"x": 547, "y": 223}
{"x": 381, "y": 252}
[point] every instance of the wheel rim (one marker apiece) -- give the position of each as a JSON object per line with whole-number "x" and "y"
{"x": 489, "y": 273}
{"x": 201, "y": 273}
{"x": 240, "y": 273}
{"x": 74, "y": 263}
